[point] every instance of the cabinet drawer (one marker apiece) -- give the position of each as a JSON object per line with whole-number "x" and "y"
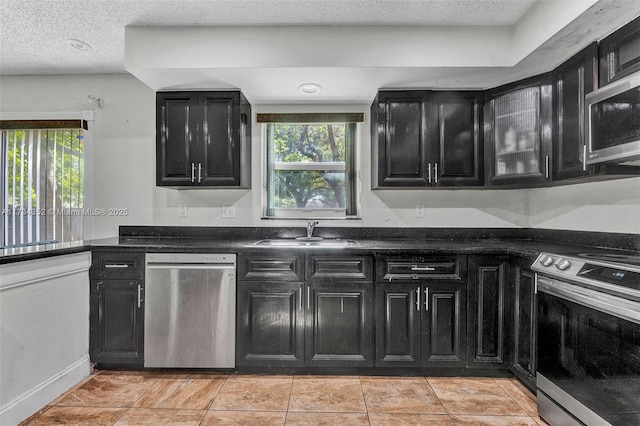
{"x": 340, "y": 268}
{"x": 421, "y": 267}
{"x": 117, "y": 264}
{"x": 265, "y": 267}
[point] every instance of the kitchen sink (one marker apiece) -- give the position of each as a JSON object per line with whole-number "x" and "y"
{"x": 307, "y": 242}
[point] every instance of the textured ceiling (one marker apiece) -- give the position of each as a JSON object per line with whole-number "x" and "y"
{"x": 472, "y": 44}
{"x": 34, "y": 34}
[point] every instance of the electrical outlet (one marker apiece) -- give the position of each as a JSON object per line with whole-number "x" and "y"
{"x": 183, "y": 210}
{"x": 228, "y": 212}
{"x": 420, "y": 210}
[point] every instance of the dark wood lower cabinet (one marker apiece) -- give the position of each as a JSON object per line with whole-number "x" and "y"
{"x": 444, "y": 325}
{"x": 398, "y": 325}
{"x": 421, "y": 324}
{"x": 523, "y": 350}
{"x": 116, "y": 322}
{"x": 326, "y": 320}
{"x": 270, "y": 324}
{"x": 489, "y": 293}
{"x": 339, "y": 326}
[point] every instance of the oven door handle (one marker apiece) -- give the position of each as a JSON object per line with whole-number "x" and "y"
{"x": 601, "y": 302}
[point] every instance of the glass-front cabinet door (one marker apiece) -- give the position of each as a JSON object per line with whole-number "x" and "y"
{"x": 518, "y": 132}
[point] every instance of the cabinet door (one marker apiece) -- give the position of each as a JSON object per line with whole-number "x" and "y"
{"x": 219, "y": 139}
{"x": 270, "y": 324}
{"x": 488, "y": 301}
{"x": 398, "y": 310}
{"x": 444, "y": 325}
{"x": 455, "y": 142}
{"x": 401, "y": 135}
{"x": 339, "y": 326}
{"x": 176, "y": 137}
{"x": 571, "y": 82}
{"x": 620, "y": 53}
{"x": 117, "y": 322}
{"x": 523, "y": 360}
{"x": 519, "y": 135}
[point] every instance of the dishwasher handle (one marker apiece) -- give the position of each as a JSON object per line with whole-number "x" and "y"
{"x": 191, "y": 266}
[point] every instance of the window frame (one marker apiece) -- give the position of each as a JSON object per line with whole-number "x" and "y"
{"x": 351, "y": 123}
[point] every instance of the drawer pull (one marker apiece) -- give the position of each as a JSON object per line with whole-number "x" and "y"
{"x": 418, "y": 299}
{"x": 117, "y": 265}
{"x": 422, "y": 268}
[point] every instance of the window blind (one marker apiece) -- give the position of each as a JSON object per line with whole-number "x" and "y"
{"x": 43, "y": 187}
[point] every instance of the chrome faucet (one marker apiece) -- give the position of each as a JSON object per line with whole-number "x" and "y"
{"x": 310, "y": 227}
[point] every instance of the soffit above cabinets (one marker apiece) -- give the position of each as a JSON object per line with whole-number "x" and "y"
{"x": 268, "y": 48}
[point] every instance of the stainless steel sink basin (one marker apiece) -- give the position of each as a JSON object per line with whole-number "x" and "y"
{"x": 307, "y": 242}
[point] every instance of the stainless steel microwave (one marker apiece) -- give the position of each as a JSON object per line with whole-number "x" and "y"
{"x": 612, "y": 122}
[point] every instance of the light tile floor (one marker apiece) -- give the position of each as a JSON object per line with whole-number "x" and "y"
{"x": 200, "y": 399}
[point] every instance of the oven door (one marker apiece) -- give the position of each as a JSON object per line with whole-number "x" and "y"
{"x": 588, "y": 355}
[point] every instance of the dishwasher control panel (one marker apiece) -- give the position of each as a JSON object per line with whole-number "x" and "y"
{"x": 191, "y": 258}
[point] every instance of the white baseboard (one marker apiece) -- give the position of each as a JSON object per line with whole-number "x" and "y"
{"x": 30, "y": 402}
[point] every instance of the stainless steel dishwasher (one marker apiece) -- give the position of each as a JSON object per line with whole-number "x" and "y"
{"x": 190, "y": 310}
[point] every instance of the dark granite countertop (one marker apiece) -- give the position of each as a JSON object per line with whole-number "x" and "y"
{"x": 514, "y": 242}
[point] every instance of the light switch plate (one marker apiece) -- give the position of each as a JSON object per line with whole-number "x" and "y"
{"x": 183, "y": 211}
{"x": 420, "y": 210}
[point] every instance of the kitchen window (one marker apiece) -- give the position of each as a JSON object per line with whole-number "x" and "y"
{"x": 310, "y": 171}
{"x": 43, "y": 181}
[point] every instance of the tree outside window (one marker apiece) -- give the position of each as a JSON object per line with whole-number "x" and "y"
{"x": 310, "y": 171}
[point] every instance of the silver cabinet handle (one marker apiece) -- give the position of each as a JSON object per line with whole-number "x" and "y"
{"x": 418, "y": 299}
{"x": 193, "y": 172}
{"x": 140, "y": 300}
{"x": 116, "y": 265}
{"x": 429, "y": 171}
{"x": 546, "y": 166}
{"x": 422, "y": 268}
{"x": 199, "y": 172}
{"x": 300, "y": 297}
{"x": 435, "y": 172}
{"x": 308, "y": 297}
{"x": 426, "y": 299}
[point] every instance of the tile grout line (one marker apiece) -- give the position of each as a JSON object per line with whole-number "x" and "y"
{"x": 364, "y": 400}
{"x": 286, "y": 413}
{"x": 448, "y": 414}
{"x": 514, "y": 400}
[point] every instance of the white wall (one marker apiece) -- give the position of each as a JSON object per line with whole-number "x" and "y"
{"x": 609, "y": 206}
{"x": 124, "y": 173}
{"x": 44, "y": 338}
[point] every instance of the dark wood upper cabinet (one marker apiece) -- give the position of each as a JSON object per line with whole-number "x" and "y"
{"x": 571, "y": 82}
{"x": 455, "y": 123}
{"x": 203, "y": 139}
{"x": 518, "y": 132}
{"x": 426, "y": 138}
{"x": 619, "y": 53}
{"x": 398, "y": 132}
